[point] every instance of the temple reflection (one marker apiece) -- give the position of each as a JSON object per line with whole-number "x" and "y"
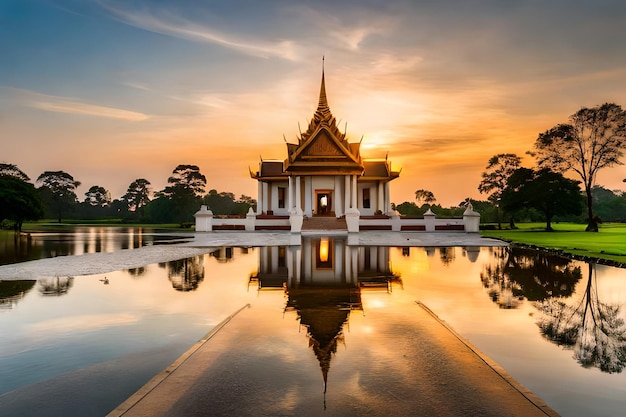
{"x": 323, "y": 279}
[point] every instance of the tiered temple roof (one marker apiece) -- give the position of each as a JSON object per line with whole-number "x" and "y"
{"x": 324, "y": 150}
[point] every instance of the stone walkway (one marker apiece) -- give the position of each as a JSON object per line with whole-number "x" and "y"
{"x": 246, "y": 367}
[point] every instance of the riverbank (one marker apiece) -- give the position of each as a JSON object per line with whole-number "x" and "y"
{"x": 608, "y": 246}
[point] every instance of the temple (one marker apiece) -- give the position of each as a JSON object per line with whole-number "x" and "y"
{"x": 324, "y": 183}
{"x": 324, "y": 174}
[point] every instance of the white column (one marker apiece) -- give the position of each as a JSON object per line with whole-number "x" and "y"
{"x": 336, "y": 196}
{"x": 340, "y": 256}
{"x": 266, "y": 205}
{"x": 259, "y": 199}
{"x": 374, "y": 258}
{"x": 348, "y": 260}
{"x": 263, "y": 259}
{"x": 354, "y": 192}
{"x": 274, "y": 266}
{"x": 307, "y": 195}
{"x": 387, "y": 199}
{"x": 290, "y": 198}
{"x": 383, "y": 259}
{"x": 298, "y": 265}
{"x": 346, "y": 193}
{"x": 307, "y": 256}
{"x": 380, "y": 205}
{"x": 298, "y": 194}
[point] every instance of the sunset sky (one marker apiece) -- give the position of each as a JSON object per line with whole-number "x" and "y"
{"x": 111, "y": 91}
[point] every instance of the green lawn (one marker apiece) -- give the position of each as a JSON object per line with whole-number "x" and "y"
{"x": 608, "y": 243}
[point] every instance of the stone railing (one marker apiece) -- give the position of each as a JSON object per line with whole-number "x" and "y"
{"x": 207, "y": 222}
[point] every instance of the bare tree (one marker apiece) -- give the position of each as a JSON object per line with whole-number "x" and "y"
{"x": 594, "y": 139}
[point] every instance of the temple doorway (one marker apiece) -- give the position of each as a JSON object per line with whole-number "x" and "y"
{"x": 323, "y": 203}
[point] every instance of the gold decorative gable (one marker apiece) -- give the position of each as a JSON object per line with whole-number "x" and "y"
{"x": 322, "y": 146}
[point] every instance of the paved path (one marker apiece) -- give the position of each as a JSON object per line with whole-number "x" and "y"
{"x": 246, "y": 367}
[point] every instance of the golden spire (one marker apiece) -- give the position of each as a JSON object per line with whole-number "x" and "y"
{"x": 323, "y": 103}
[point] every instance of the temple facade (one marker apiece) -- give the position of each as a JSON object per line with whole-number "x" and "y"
{"x": 324, "y": 174}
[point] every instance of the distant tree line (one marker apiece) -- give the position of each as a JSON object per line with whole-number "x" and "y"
{"x": 53, "y": 195}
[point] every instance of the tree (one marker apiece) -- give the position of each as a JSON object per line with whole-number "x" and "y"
{"x": 594, "y": 139}
{"x": 57, "y": 190}
{"x": 425, "y": 197}
{"x": 13, "y": 171}
{"x": 546, "y": 191}
{"x": 137, "y": 195}
{"x": 97, "y": 196}
{"x": 499, "y": 169}
{"x": 19, "y": 201}
{"x": 184, "y": 192}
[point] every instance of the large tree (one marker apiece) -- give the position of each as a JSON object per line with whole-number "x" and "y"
{"x": 58, "y": 191}
{"x": 546, "y": 191}
{"x": 184, "y": 192}
{"x": 593, "y": 139}
{"x": 499, "y": 169}
{"x": 13, "y": 171}
{"x": 424, "y": 197}
{"x": 19, "y": 201}
{"x": 138, "y": 194}
{"x": 97, "y": 196}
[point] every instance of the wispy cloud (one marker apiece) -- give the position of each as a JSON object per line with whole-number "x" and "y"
{"x": 167, "y": 23}
{"x": 70, "y": 105}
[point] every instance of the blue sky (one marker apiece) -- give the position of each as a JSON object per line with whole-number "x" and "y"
{"x": 111, "y": 91}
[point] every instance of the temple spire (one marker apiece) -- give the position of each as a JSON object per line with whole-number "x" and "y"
{"x": 323, "y": 103}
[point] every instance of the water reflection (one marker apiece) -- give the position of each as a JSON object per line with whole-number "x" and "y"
{"x": 515, "y": 274}
{"x": 11, "y": 292}
{"x": 185, "y": 274}
{"x": 56, "y": 286}
{"x": 52, "y": 241}
{"x": 323, "y": 279}
{"x": 592, "y": 328}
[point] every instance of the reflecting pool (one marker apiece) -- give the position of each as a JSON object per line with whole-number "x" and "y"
{"x": 82, "y": 345}
{"x": 62, "y": 240}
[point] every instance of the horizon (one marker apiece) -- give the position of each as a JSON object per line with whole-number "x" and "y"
{"x": 110, "y": 92}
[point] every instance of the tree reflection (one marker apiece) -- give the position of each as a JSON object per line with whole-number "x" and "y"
{"x": 186, "y": 274}
{"x": 517, "y": 273}
{"x": 593, "y": 329}
{"x": 13, "y": 291}
{"x": 55, "y": 286}
{"x": 137, "y": 272}
{"x": 447, "y": 255}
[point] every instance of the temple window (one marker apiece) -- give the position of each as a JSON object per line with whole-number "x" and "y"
{"x": 366, "y": 198}
{"x": 281, "y": 197}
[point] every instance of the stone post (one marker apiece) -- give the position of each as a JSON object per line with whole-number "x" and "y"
{"x": 296, "y": 218}
{"x": 429, "y": 220}
{"x": 204, "y": 219}
{"x": 471, "y": 219}
{"x": 352, "y": 220}
{"x": 250, "y": 220}
{"x": 396, "y": 222}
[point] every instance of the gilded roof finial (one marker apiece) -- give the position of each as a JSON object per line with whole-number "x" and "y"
{"x": 323, "y": 103}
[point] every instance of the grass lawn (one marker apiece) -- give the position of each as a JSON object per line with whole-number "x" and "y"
{"x": 608, "y": 243}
